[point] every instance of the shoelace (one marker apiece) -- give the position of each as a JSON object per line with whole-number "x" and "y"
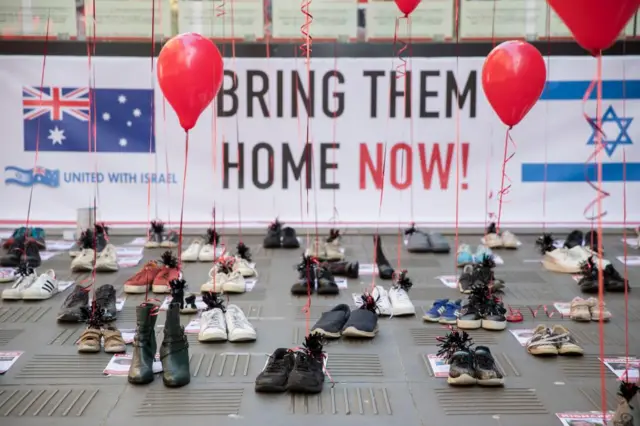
{"x": 214, "y": 320}
{"x": 401, "y": 294}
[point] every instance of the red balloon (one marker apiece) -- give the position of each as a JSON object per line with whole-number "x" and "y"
{"x": 513, "y": 78}
{"x": 407, "y": 6}
{"x": 595, "y": 24}
{"x": 190, "y": 71}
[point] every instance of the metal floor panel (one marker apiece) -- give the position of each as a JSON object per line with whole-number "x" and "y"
{"x": 388, "y": 379}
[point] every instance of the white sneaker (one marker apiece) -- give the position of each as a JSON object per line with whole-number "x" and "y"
{"x": 45, "y": 287}
{"x": 22, "y": 283}
{"x": 234, "y": 283}
{"x": 207, "y": 253}
{"x": 192, "y": 252}
{"x": 381, "y": 296}
{"x": 107, "y": 260}
{"x": 400, "y": 302}
{"x": 246, "y": 268}
{"x": 213, "y": 327}
{"x": 216, "y": 278}
{"x": 561, "y": 260}
{"x": 84, "y": 261}
{"x": 240, "y": 329}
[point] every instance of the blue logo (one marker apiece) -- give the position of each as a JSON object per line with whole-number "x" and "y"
{"x": 30, "y": 177}
{"x": 579, "y": 172}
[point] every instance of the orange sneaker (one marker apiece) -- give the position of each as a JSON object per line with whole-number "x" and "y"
{"x": 168, "y": 272}
{"x": 140, "y": 282}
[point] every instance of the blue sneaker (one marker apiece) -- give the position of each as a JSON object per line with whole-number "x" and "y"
{"x": 434, "y": 314}
{"x": 450, "y": 313}
{"x": 465, "y": 257}
{"x": 481, "y": 253}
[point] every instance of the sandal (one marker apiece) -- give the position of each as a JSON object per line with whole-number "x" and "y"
{"x": 113, "y": 341}
{"x": 89, "y": 341}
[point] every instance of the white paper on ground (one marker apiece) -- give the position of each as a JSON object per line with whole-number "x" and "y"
{"x": 368, "y": 269}
{"x": 63, "y": 285}
{"x": 450, "y": 281}
{"x": 7, "y": 274}
{"x": 129, "y": 251}
{"x": 357, "y": 299}
{"x": 341, "y": 282}
{"x": 199, "y": 303}
{"x": 120, "y": 363}
{"x": 631, "y": 260}
{"x": 193, "y": 327}
{"x": 593, "y": 418}
{"x": 439, "y": 366}
{"x": 120, "y": 304}
{"x": 129, "y": 262}
{"x": 522, "y": 335}
{"x": 138, "y": 241}
{"x": 563, "y": 308}
{"x": 7, "y": 359}
{"x": 46, "y": 255}
{"x": 128, "y": 334}
{"x": 59, "y": 245}
{"x": 498, "y": 259}
{"x": 250, "y": 283}
{"x": 633, "y": 242}
{"x": 625, "y": 369}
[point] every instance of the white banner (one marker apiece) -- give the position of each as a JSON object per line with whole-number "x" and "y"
{"x": 331, "y": 20}
{"x": 29, "y": 18}
{"x": 431, "y": 20}
{"x": 238, "y": 19}
{"x": 249, "y": 160}
{"x": 128, "y": 19}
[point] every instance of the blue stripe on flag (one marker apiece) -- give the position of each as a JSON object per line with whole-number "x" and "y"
{"x": 574, "y": 90}
{"x": 578, "y": 172}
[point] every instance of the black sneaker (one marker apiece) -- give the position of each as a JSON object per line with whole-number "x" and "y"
{"x": 187, "y": 303}
{"x": 290, "y": 238}
{"x": 156, "y": 234}
{"x": 487, "y": 372}
{"x": 462, "y": 370}
{"x": 466, "y": 280}
{"x": 494, "y": 316}
{"x": 32, "y": 253}
{"x": 307, "y": 375}
{"x": 591, "y": 241}
{"x": 484, "y": 272}
{"x": 106, "y": 302}
{"x": 545, "y": 243}
{"x": 307, "y": 273}
{"x": 588, "y": 282}
{"x": 472, "y": 309}
{"x": 79, "y": 244}
{"x": 332, "y": 322}
{"x": 14, "y": 254}
{"x": 363, "y": 322}
{"x": 102, "y": 237}
{"x": 273, "y": 239}
{"x": 613, "y": 281}
{"x": 75, "y": 306}
{"x": 574, "y": 239}
{"x": 275, "y": 375}
{"x": 385, "y": 270}
{"x": 326, "y": 282}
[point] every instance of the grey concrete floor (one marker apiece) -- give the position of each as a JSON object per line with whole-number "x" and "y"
{"x": 376, "y": 382}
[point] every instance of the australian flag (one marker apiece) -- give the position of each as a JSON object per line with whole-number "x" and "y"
{"x": 63, "y": 119}
{"x": 30, "y": 177}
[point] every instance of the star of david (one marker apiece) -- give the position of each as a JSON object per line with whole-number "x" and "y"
{"x": 608, "y": 142}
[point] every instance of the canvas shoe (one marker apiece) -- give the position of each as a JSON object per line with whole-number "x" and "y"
{"x": 155, "y": 234}
{"x": 275, "y": 374}
{"x": 491, "y": 238}
{"x": 85, "y": 261}
{"x": 142, "y": 280}
{"x": 565, "y": 342}
{"x": 561, "y": 260}
{"x": 494, "y": 316}
{"x": 45, "y": 287}
{"x": 25, "y": 277}
{"x": 107, "y": 260}
{"x": 213, "y": 326}
{"x": 487, "y": 371}
{"x": 317, "y": 249}
{"x": 208, "y": 250}
{"x": 245, "y": 267}
{"x": 598, "y": 311}
{"x": 333, "y": 249}
{"x": 399, "y": 296}
{"x": 362, "y": 322}
{"x": 75, "y": 306}
{"x": 332, "y": 322}
{"x": 214, "y": 284}
{"x": 509, "y": 240}
{"x": 381, "y": 296}
{"x": 464, "y": 256}
{"x": 191, "y": 253}
{"x": 239, "y": 329}
{"x": 580, "y": 310}
{"x": 435, "y": 312}
{"x": 542, "y": 342}
{"x": 168, "y": 272}
{"x": 234, "y": 283}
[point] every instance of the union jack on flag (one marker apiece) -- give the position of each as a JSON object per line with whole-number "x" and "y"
{"x": 68, "y": 119}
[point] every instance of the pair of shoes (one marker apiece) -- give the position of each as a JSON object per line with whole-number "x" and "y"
{"x": 93, "y": 338}
{"x": 300, "y": 370}
{"x": 342, "y": 269}
{"x": 75, "y": 307}
{"x": 314, "y": 278}
{"x": 219, "y": 323}
{"x": 480, "y": 272}
{"x": 174, "y": 351}
{"x": 96, "y": 252}
{"x": 29, "y": 286}
{"x": 382, "y": 299}
{"x": 158, "y": 237}
{"x": 466, "y": 257}
{"x": 36, "y": 234}
{"x": 240, "y": 262}
{"x": 613, "y": 281}
{"x": 482, "y": 309}
{"x": 552, "y": 341}
{"x": 328, "y": 250}
{"x": 279, "y": 237}
{"x": 495, "y": 240}
{"x": 22, "y": 250}
{"x": 187, "y": 302}
{"x": 589, "y": 240}
{"x": 422, "y": 242}
{"x": 468, "y": 365}
{"x": 342, "y": 321}
{"x": 227, "y": 277}
{"x": 588, "y": 310}
{"x": 154, "y": 276}
{"x": 89, "y": 239}
{"x": 444, "y": 311}
{"x": 564, "y": 259}
{"x": 202, "y": 249}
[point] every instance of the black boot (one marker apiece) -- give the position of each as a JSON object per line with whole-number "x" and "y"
{"x": 385, "y": 271}
{"x": 144, "y": 345}
{"x": 343, "y": 269}
{"x": 307, "y": 277}
{"x": 174, "y": 352}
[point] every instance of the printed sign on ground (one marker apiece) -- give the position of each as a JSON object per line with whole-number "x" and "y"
{"x": 522, "y": 335}
{"x": 120, "y": 364}
{"x": 7, "y": 359}
{"x": 439, "y": 366}
{"x": 626, "y": 369}
{"x": 591, "y": 418}
{"x": 450, "y": 281}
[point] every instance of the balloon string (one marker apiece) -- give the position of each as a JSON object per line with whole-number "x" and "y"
{"x": 93, "y": 149}
{"x": 624, "y": 215}
{"x": 489, "y": 215}
{"x": 334, "y": 130}
{"x": 504, "y": 190}
{"x": 184, "y": 186}
{"x": 166, "y": 158}
{"x": 457, "y": 137}
{"x": 401, "y": 78}
{"x": 152, "y": 157}
{"x": 598, "y": 133}
{"x": 546, "y": 125}
{"x": 235, "y": 84}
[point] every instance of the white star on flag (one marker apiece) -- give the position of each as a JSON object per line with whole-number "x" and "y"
{"x": 122, "y": 99}
{"x": 137, "y": 112}
{"x": 56, "y": 135}
{"x": 123, "y": 142}
{"x": 106, "y": 116}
